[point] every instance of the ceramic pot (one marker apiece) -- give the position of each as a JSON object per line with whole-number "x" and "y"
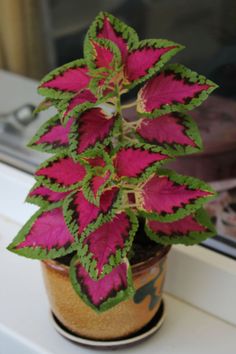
{"x": 120, "y": 321}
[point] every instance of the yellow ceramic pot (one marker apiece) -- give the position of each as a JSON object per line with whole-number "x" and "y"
{"x": 120, "y": 321}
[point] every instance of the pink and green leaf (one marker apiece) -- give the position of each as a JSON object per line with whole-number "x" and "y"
{"x": 168, "y": 196}
{"x": 65, "y": 81}
{"x": 82, "y": 101}
{"x": 174, "y": 89}
{"x": 93, "y": 184}
{"x": 44, "y": 105}
{"x": 100, "y": 172}
{"x": 104, "y": 293}
{"x": 91, "y": 128}
{"x": 147, "y": 58}
{"x": 190, "y": 230}
{"x": 176, "y": 132}
{"x": 45, "y": 235}
{"x": 102, "y": 53}
{"x": 103, "y": 87}
{"x": 52, "y": 137}
{"x": 60, "y": 173}
{"x": 82, "y": 216}
{"x": 111, "y": 28}
{"x": 45, "y": 197}
{"x": 104, "y": 248}
{"x": 135, "y": 160}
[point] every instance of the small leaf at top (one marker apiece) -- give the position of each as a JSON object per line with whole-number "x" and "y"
{"x": 109, "y": 27}
{"x": 102, "y": 53}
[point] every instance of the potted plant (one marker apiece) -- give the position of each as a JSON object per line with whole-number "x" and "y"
{"x": 108, "y": 210}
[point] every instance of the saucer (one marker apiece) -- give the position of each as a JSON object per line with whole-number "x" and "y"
{"x": 145, "y": 332}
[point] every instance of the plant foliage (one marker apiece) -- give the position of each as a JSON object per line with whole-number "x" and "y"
{"x": 106, "y": 171}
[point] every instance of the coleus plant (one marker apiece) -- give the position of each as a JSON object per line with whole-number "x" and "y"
{"x": 106, "y": 172}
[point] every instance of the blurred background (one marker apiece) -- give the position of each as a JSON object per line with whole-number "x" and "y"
{"x": 39, "y": 35}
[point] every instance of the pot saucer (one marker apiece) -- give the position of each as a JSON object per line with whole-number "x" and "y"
{"x": 143, "y": 333}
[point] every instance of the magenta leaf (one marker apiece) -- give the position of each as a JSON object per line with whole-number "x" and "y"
{"x": 93, "y": 126}
{"x": 102, "y": 54}
{"x": 167, "y": 196}
{"x": 60, "y": 173}
{"x": 99, "y": 175}
{"x": 45, "y": 235}
{"x": 44, "y": 197}
{"x": 111, "y": 28}
{"x": 191, "y": 229}
{"x": 133, "y": 160}
{"x": 65, "y": 81}
{"x": 83, "y": 100}
{"x": 174, "y": 89}
{"x": 176, "y": 132}
{"x": 104, "y": 293}
{"x": 52, "y": 137}
{"x": 80, "y": 214}
{"x": 107, "y": 245}
{"x": 147, "y": 58}
{"x": 93, "y": 185}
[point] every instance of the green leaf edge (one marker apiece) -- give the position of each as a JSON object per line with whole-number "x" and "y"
{"x": 114, "y": 260}
{"x": 87, "y": 191}
{"x": 148, "y": 170}
{"x": 39, "y": 201}
{"x": 192, "y": 131}
{"x": 192, "y": 77}
{"x": 156, "y": 43}
{"x": 101, "y": 218}
{"x": 194, "y": 237}
{"x": 37, "y": 252}
{"x": 54, "y": 186}
{"x": 126, "y": 32}
{"x": 91, "y": 56}
{"x": 111, "y": 301}
{"x": 54, "y": 93}
{"x": 192, "y": 183}
{"x": 45, "y": 147}
{"x": 99, "y": 145}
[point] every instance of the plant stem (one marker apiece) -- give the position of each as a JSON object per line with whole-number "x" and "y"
{"x": 129, "y": 105}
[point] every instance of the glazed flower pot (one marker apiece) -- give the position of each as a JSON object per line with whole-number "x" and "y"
{"x": 120, "y": 321}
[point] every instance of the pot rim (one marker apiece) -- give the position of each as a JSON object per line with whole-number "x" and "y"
{"x": 136, "y": 268}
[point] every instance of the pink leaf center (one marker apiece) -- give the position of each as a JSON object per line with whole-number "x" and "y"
{"x": 162, "y": 195}
{"x": 48, "y": 231}
{"x": 132, "y": 162}
{"x": 98, "y": 291}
